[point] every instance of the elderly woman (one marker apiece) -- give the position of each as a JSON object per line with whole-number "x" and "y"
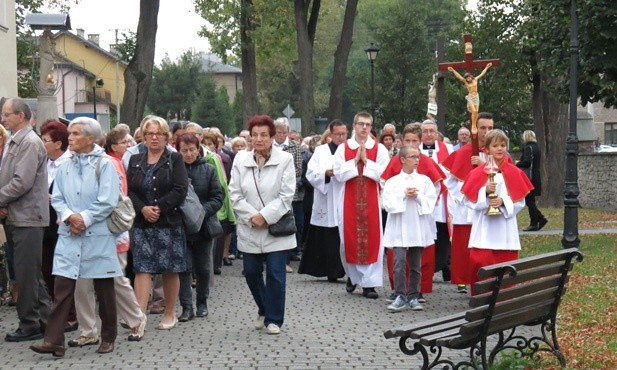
{"x": 262, "y": 187}
{"x": 530, "y": 164}
{"x": 55, "y": 137}
{"x": 117, "y": 141}
{"x": 127, "y": 306}
{"x": 158, "y": 184}
{"x": 86, "y": 248}
{"x": 206, "y": 185}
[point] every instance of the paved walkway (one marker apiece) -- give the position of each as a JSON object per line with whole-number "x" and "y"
{"x": 325, "y": 328}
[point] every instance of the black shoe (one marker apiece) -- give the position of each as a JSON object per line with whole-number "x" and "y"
{"x": 22, "y": 336}
{"x": 202, "y": 310}
{"x": 370, "y": 293}
{"x": 71, "y": 327}
{"x": 445, "y": 273}
{"x": 542, "y": 223}
{"x": 332, "y": 280}
{"x": 350, "y": 287}
{"x": 187, "y": 314}
{"x": 217, "y": 271}
{"x": 532, "y": 228}
{"x": 296, "y": 257}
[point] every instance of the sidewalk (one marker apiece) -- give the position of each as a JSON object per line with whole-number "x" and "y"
{"x": 325, "y": 328}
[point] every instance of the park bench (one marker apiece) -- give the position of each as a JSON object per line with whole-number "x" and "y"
{"x": 523, "y": 292}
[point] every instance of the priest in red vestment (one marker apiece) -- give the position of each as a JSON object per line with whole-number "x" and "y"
{"x": 358, "y": 165}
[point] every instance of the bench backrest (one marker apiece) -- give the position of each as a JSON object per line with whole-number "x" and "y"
{"x": 523, "y": 291}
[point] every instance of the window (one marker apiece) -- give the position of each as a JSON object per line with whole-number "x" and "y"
{"x": 610, "y": 133}
{"x": 4, "y": 17}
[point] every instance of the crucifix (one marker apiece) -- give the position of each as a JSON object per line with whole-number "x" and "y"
{"x": 471, "y": 83}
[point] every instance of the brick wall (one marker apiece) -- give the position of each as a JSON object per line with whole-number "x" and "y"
{"x": 597, "y": 174}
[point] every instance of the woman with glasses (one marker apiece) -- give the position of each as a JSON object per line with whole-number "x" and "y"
{"x": 158, "y": 184}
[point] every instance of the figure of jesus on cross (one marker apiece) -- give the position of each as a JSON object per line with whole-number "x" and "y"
{"x": 471, "y": 83}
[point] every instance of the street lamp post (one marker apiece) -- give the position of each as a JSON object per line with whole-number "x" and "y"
{"x": 371, "y": 54}
{"x": 570, "y": 229}
{"x": 97, "y": 83}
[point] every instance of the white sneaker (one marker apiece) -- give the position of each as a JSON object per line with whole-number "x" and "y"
{"x": 259, "y": 322}
{"x": 273, "y": 329}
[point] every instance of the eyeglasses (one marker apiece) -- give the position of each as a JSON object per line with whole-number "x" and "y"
{"x": 47, "y": 141}
{"x": 153, "y": 134}
{"x": 6, "y": 115}
{"x": 364, "y": 124}
{"x": 416, "y": 157}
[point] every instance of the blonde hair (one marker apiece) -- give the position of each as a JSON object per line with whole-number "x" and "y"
{"x": 157, "y": 121}
{"x": 529, "y": 136}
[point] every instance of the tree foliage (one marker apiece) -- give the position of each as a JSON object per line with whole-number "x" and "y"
{"x": 126, "y": 48}
{"x": 175, "y": 85}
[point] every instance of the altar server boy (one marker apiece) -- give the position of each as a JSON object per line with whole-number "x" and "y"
{"x": 409, "y": 198}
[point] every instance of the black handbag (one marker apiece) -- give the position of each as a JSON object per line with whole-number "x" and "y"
{"x": 529, "y": 170}
{"x": 286, "y": 225}
{"x": 212, "y": 227}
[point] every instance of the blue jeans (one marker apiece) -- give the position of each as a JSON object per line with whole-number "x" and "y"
{"x": 200, "y": 257}
{"x": 269, "y": 295}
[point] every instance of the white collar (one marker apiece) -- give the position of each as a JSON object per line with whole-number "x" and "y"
{"x": 353, "y": 144}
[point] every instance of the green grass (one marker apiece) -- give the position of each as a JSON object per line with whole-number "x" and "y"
{"x": 587, "y": 318}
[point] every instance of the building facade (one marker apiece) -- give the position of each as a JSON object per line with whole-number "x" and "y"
{"x": 8, "y": 49}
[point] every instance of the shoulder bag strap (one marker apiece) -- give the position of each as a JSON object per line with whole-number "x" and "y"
{"x": 256, "y": 187}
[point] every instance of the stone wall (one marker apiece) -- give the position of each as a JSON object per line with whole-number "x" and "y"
{"x": 597, "y": 174}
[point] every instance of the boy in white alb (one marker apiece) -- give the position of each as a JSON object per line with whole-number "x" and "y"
{"x": 409, "y": 198}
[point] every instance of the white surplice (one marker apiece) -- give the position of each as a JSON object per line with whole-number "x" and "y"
{"x": 325, "y": 196}
{"x": 410, "y": 222}
{"x": 495, "y": 232}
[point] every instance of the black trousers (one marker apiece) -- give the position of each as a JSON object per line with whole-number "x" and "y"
{"x": 534, "y": 213}
{"x": 442, "y": 247}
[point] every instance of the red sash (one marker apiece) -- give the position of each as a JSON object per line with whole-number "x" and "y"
{"x": 443, "y": 153}
{"x": 362, "y": 235}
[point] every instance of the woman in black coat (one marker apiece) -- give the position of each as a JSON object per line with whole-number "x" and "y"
{"x": 210, "y": 193}
{"x": 530, "y": 164}
{"x": 158, "y": 183}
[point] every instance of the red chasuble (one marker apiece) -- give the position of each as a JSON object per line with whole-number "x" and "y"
{"x": 516, "y": 181}
{"x": 362, "y": 235}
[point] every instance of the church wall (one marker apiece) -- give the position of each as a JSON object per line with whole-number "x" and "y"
{"x": 597, "y": 173}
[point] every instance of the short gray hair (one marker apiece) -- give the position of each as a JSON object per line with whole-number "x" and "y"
{"x": 196, "y": 126}
{"x": 282, "y": 122}
{"x": 91, "y": 126}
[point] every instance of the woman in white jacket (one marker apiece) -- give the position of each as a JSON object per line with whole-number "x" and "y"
{"x": 262, "y": 187}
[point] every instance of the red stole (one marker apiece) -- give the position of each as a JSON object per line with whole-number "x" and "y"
{"x": 443, "y": 153}
{"x": 459, "y": 162}
{"x": 362, "y": 235}
{"x": 516, "y": 182}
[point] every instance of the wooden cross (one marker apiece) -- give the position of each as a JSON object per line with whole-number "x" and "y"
{"x": 469, "y": 65}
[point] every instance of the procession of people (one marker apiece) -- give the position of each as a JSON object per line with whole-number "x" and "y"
{"x": 340, "y": 203}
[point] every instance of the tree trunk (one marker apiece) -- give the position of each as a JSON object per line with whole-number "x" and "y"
{"x": 138, "y": 74}
{"x": 341, "y": 55}
{"x": 305, "y": 34}
{"x": 551, "y": 128}
{"x": 249, "y": 74}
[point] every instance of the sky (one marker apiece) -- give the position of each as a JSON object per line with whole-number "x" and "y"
{"x": 178, "y": 24}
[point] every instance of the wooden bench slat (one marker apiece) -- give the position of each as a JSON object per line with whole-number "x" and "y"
{"x": 529, "y": 262}
{"x": 512, "y": 319}
{"x": 416, "y": 334}
{"x": 522, "y": 276}
{"x": 516, "y": 291}
{"x": 403, "y": 331}
{"x": 430, "y": 340}
{"x": 515, "y": 304}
